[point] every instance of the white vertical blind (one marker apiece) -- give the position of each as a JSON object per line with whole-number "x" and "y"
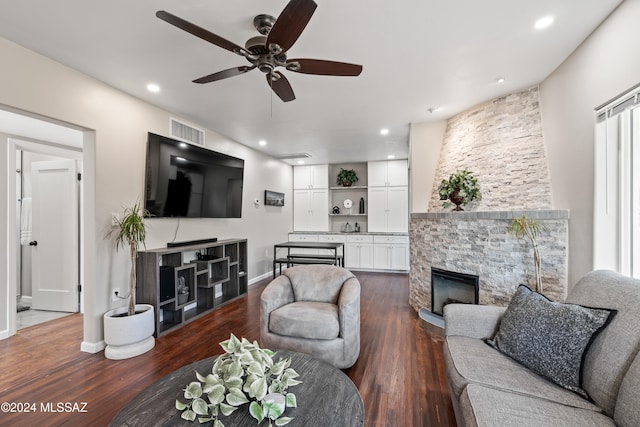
{"x": 617, "y": 185}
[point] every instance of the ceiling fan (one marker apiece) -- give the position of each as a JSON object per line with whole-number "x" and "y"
{"x": 269, "y": 50}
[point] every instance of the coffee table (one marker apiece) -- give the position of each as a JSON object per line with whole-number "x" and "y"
{"x": 326, "y": 397}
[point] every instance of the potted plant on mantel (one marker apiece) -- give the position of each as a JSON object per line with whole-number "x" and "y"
{"x": 460, "y": 189}
{"x": 347, "y": 177}
{"x": 128, "y": 331}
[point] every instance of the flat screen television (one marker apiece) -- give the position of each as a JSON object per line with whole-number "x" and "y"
{"x": 185, "y": 180}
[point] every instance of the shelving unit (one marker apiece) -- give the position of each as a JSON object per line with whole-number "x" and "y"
{"x": 339, "y": 193}
{"x": 213, "y": 273}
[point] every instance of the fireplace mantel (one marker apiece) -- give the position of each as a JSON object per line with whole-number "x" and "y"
{"x": 540, "y": 215}
{"x": 481, "y": 243}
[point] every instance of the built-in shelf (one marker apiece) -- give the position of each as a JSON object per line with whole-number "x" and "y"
{"x": 353, "y": 187}
{"x": 347, "y": 214}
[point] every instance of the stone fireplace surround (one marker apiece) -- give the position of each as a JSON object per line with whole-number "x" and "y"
{"x": 482, "y": 244}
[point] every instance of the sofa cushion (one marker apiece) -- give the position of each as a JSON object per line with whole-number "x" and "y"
{"x": 487, "y": 407}
{"x": 312, "y": 320}
{"x": 627, "y": 412}
{"x": 321, "y": 283}
{"x": 614, "y": 349}
{"x": 548, "y": 337}
{"x": 471, "y": 361}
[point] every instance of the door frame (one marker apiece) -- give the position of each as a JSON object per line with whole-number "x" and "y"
{"x": 24, "y": 144}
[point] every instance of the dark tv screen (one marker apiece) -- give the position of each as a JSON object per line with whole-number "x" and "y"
{"x": 185, "y": 180}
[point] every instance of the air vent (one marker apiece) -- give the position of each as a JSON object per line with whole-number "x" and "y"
{"x": 294, "y": 156}
{"x": 184, "y": 132}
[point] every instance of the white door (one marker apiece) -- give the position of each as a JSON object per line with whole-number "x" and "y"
{"x": 55, "y": 236}
{"x": 377, "y": 220}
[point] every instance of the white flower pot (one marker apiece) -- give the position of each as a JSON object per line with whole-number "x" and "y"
{"x": 129, "y": 336}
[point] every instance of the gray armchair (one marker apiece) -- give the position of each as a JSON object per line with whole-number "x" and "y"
{"x": 313, "y": 309}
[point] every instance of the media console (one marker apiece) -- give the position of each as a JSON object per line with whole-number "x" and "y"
{"x": 183, "y": 283}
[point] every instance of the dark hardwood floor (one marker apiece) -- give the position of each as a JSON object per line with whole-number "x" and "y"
{"x": 400, "y": 371}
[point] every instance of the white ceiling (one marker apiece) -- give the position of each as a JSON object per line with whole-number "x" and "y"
{"x": 417, "y": 55}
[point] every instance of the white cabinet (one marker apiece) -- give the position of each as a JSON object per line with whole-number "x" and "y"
{"x": 310, "y": 210}
{"x": 359, "y": 252}
{"x": 391, "y": 252}
{"x": 388, "y": 173}
{"x": 331, "y": 238}
{"x": 388, "y": 209}
{"x": 312, "y": 176}
{"x": 304, "y": 238}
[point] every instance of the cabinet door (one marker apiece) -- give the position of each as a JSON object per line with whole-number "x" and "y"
{"x": 388, "y": 173}
{"x": 319, "y": 219}
{"x": 377, "y": 174}
{"x": 399, "y": 257}
{"x": 397, "y": 209}
{"x": 319, "y": 176}
{"x": 301, "y": 210}
{"x": 313, "y": 176}
{"x": 377, "y": 217}
{"x": 397, "y": 172}
{"x": 359, "y": 255}
{"x": 381, "y": 259}
{"x": 301, "y": 177}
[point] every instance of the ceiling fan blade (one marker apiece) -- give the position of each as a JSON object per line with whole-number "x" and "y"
{"x": 324, "y": 68}
{"x": 281, "y": 87}
{"x": 290, "y": 23}
{"x": 224, "y": 74}
{"x": 198, "y": 31}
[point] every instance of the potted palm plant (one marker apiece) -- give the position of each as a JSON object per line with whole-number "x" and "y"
{"x": 460, "y": 189}
{"x": 128, "y": 331}
{"x": 528, "y": 228}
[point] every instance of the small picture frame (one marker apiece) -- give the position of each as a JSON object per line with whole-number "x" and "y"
{"x": 273, "y": 198}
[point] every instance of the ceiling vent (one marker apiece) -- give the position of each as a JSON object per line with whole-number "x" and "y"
{"x": 293, "y": 156}
{"x": 184, "y": 132}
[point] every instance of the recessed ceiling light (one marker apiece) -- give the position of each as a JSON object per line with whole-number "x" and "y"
{"x": 500, "y": 80}
{"x": 152, "y": 87}
{"x": 384, "y": 131}
{"x": 391, "y": 156}
{"x": 301, "y": 162}
{"x": 543, "y": 22}
{"x": 262, "y": 142}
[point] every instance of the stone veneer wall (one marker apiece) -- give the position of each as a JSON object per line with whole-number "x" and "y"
{"x": 501, "y": 142}
{"x": 481, "y": 243}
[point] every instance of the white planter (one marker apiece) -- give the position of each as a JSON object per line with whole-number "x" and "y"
{"x": 129, "y": 336}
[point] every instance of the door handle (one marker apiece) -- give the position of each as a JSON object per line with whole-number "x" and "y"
{"x": 33, "y": 243}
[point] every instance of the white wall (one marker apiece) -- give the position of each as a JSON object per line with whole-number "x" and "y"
{"x": 425, "y": 141}
{"x": 121, "y": 123}
{"x": 605, "y": 65}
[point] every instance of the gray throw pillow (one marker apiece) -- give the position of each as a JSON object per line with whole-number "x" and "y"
{"x": 549, "y": 338}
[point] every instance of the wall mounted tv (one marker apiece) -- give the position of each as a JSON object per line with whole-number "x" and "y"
{"x": 185, "y": 180}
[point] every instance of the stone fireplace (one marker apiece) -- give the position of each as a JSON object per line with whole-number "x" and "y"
{"x": 449, "y": 287}
{"x": 501, "y": 142}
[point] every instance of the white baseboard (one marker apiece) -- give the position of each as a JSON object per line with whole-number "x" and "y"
{"x": 92, "y": 347}
{"x": 261, "y": 277}
{"x": 4, "y": 334}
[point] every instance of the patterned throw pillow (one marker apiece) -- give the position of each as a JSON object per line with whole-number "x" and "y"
{"x": 549, "y": 338}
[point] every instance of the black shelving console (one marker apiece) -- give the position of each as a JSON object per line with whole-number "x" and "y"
{"x": 185, "y": 282}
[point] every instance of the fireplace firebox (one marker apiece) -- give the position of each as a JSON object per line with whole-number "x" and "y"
{"x": 451, "y": 287}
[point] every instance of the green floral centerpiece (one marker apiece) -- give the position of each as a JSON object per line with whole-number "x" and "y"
{"x": 245, "y": 373}
{"x": 460, "y": 189}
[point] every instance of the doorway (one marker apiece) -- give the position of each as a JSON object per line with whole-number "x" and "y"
{"x": 47, "y": 192}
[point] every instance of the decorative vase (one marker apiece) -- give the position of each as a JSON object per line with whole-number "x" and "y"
{"x": 129, "y": 336}
{"x": 456, "y": 199}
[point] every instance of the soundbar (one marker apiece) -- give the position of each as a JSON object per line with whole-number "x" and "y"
{"x": 191, "y": 242}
